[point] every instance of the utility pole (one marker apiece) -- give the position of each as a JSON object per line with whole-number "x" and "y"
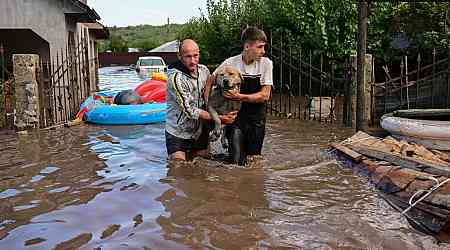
{"x": 360, "y": 71}
{"x": 168, "y": 25}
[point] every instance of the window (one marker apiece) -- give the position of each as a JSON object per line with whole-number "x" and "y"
{"x": 151, "y": 62}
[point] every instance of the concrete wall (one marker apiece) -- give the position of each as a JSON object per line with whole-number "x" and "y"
{"x": 44, "y": 17}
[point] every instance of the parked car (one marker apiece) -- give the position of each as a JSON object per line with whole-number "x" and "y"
{"x": 150, "y": 64}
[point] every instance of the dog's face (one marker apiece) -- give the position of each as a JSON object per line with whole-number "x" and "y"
{"x": 228, "y": 78}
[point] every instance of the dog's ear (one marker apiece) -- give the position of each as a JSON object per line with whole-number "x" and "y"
{"x": 217, "y": 84}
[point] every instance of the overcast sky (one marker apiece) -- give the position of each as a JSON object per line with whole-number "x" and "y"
{"x": 155, "y": 12}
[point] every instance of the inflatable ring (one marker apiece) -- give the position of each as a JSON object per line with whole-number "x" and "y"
{"x": 96, "y": 110}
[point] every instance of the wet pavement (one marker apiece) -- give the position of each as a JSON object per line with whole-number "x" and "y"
{"x": 100, "y": 187}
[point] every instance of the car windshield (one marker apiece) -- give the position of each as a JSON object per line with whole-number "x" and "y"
{"x": 151, "y": 62}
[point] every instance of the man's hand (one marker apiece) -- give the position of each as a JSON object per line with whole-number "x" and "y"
{"x": 228, "y": 118}
{"x": 233, "y": 95}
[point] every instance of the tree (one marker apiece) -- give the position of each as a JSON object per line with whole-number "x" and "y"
{"x": 324, "y": 26}
{"x": 117, "y": 44}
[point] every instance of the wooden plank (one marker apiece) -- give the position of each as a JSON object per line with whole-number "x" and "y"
{"x": 403, "y": 161}
{"x": 352, "y": 154}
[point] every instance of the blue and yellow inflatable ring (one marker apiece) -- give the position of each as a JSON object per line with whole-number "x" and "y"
{"x": 99, "y": 109}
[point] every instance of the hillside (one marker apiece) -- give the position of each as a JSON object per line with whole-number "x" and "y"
{"x": 143, "y": 37}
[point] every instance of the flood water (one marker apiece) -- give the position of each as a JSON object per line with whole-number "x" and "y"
{"x": 100, "y": 187}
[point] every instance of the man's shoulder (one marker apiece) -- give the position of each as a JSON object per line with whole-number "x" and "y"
{"x": 266, "y": 61}
{"x": 203, "y": 70}
{"x": 203, "y": 67}
{"x": 234, "y": 59}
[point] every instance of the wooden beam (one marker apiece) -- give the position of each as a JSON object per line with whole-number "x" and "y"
{"x": 356, "y": 157}
{"x": 403, "y": 161}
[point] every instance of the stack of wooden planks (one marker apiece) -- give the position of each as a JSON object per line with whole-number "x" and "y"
{"x": 400, "y": 170}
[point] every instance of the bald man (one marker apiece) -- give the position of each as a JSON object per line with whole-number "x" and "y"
{"x": 186, "y": 131}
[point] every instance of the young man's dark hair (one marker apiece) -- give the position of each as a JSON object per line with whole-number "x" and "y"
{"x": 253, "y": 34}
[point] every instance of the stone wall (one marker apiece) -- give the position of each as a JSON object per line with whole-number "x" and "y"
{"x": 26, "y": 91}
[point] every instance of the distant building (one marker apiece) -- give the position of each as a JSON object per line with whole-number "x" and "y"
{"x": 169, "y": 47}
{"x": 133, "y": 50}
{"x": 47, "y": 27}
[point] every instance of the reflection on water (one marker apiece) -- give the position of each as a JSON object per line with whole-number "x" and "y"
{"x": 120, "y": 78}
{"x": 110, "y": 188}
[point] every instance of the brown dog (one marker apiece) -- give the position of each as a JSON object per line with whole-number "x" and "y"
{"x": 227, "y": 78}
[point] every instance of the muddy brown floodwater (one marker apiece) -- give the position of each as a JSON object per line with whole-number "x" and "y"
{"x": 99, "y": 187}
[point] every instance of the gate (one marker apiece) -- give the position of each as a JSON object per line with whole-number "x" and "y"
{"x": 64, "y": 82}
{"x": 6, "y": 93}
{"x": 308, "y": 85}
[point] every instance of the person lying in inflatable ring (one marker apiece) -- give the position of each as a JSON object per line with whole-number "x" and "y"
{"x": 127, "y": 97}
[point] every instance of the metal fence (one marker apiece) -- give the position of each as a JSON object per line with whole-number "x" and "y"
{"x": 6, "y": 92}
{"x": 424, "y": 87}
{"x": 64, "y": 82}
{"x": 309, "y": 86}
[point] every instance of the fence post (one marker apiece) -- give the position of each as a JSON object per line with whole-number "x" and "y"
{"x": 406, "y": 81}
{"x": 448, "y": 54}
{"x": 361, "y": 53}
{"x": 433, "y": 78}
{"x": 348, "y": 100}
{"x": 281, "y": 75}
{"x": 290, "y": 79}
{"x": 300, "y": 85}
{"x": 310, "y": 87}
{"x": 2, "y": 84}
{"x": 401, "y": 82}
{"x": 26, "y": 91}
{"x": 448, "y": 68}
{"x": 418, "y": 80}
{"x": 368, "y": 80}
{"x": 320, "y": 88}
{"x": 386, "y": 86}
{"x": 273, "y": 58}
{"x": 332, "y": 93}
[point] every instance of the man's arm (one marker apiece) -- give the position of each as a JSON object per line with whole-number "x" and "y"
{"x": 260, "y": 97}
{"x": 183, "y": 95}
{"x": 266, "y": 89}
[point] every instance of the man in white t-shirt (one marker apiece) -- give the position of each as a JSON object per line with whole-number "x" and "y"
{"x": 246, "y": 134}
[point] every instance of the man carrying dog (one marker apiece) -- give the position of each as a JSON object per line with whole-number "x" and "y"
{"x": 186, "y": 132}
{"x": 246, "y": 134}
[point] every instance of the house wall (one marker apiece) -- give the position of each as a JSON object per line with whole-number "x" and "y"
{"x": 92, "y": 53}
{"x": 44, "y": 17}
{"x": 17, "y": 41}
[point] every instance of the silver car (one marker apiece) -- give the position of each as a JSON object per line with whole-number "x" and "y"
{"x": 150, "y": 64}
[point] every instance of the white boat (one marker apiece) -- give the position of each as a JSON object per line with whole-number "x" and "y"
{"x": 428, "y": 127}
